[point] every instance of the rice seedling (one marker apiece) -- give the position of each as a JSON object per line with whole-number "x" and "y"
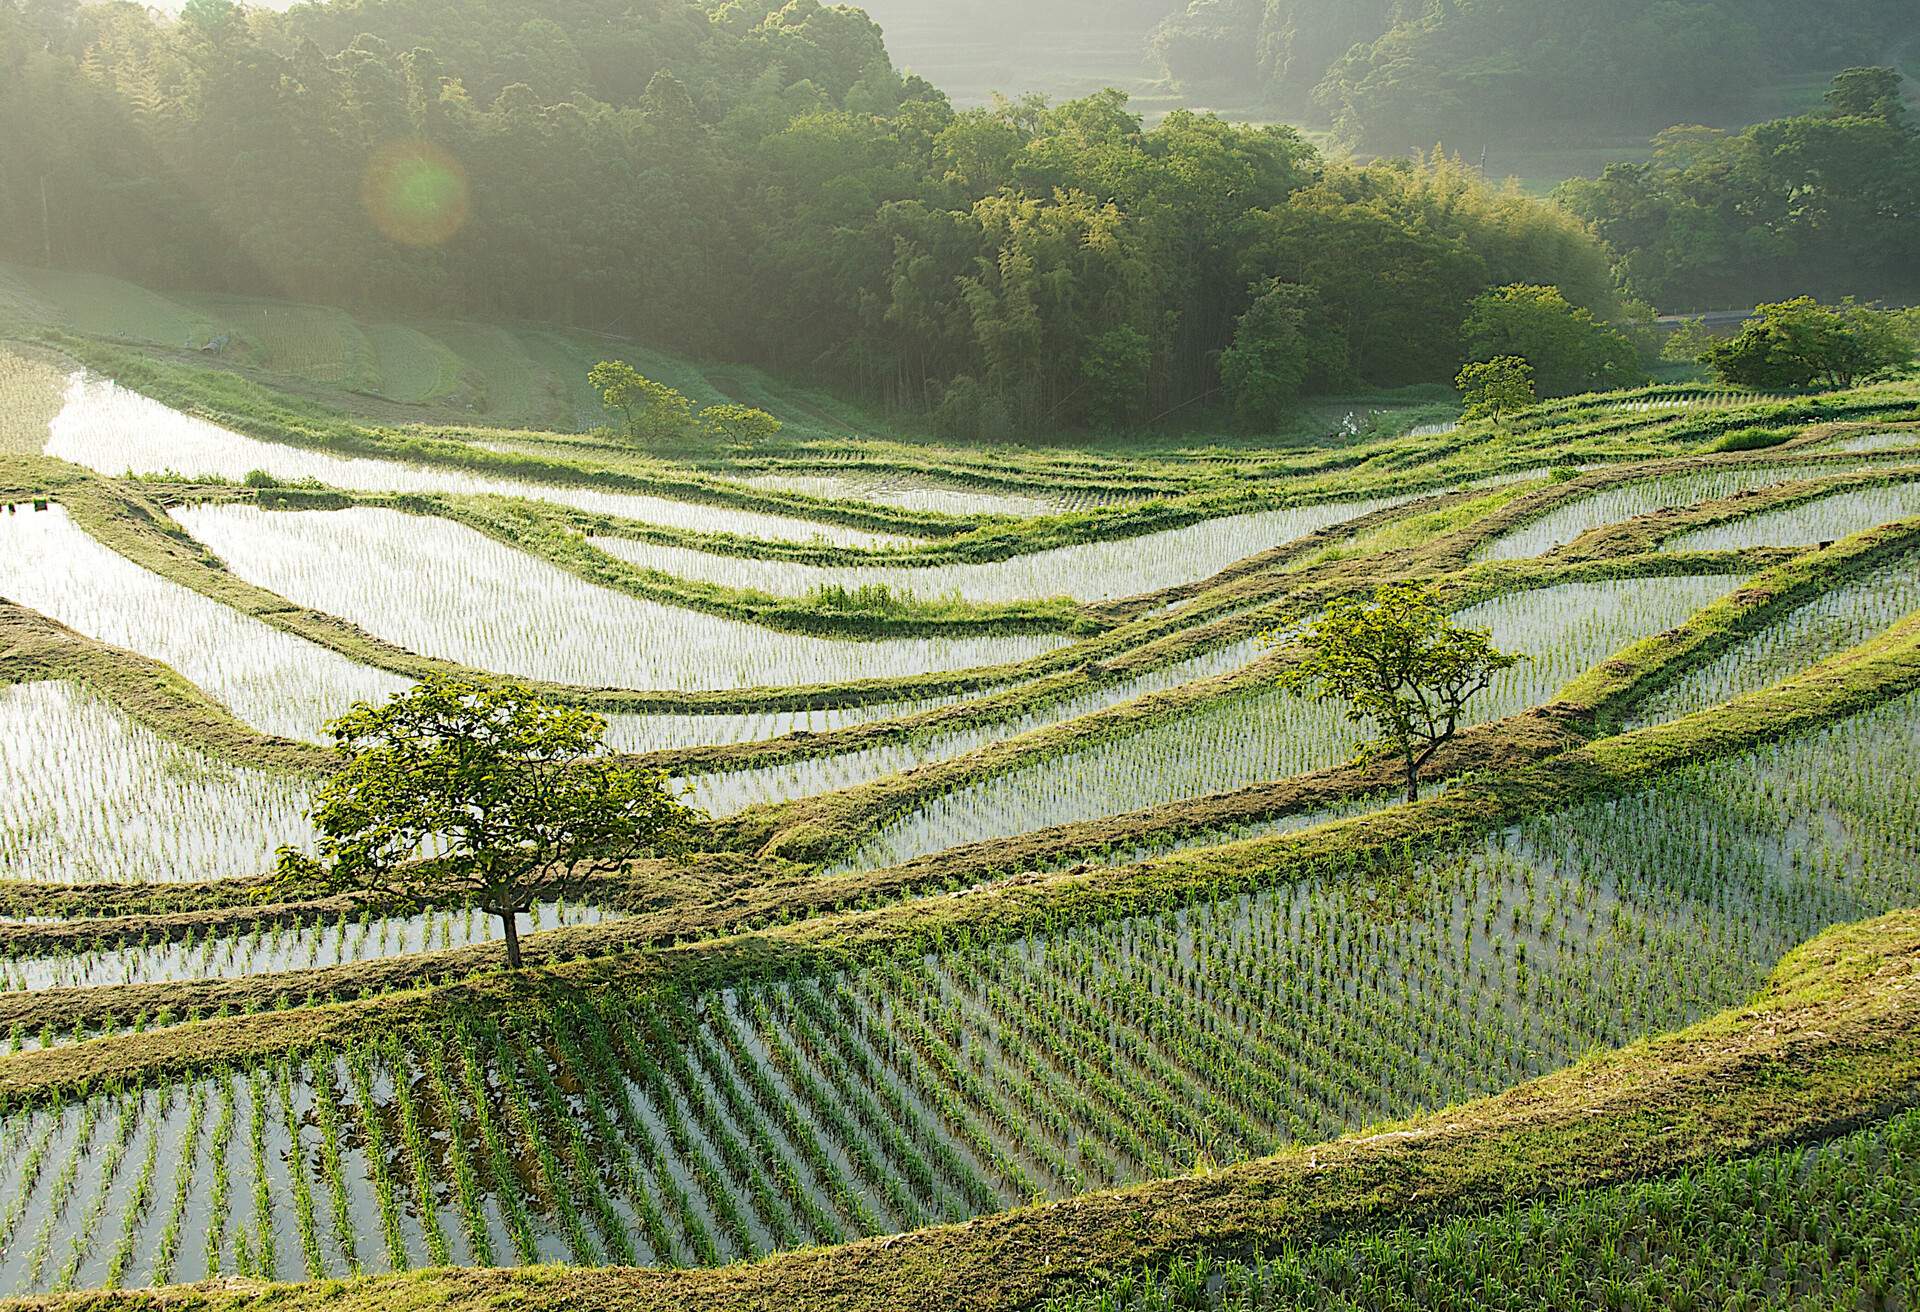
{"x": 1824, "y": 627}
{"x": 1090, "y": 571}
{"x": 1867, "y": 442}
{"x": 914, "y": 493}
{"x": 1826, "y": 520}
{"x": 115, "y": 431}
{"x": 934, "y": 1086}
{"x": 732, "y": 791}
{"x": 274, "y": 681}
{"x": 1827, "y": 1225}
{"x": 279, "y": 948}
{"x": 86, "y": 796}
{"x": 1611, "y": 506}
{"x": 30, "y": 392}
{"x": 443, "y": 590}
{"x": 633, "y": 731}
{"x": 1261, "y": 735}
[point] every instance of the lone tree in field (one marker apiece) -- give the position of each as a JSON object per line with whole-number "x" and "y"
{"x": 482, "y": 792}
{"x": 741, "y": 424}
{"x": 1399, "y": 663}
{"x": 1494, "y": 389}
{"x": 656, "y": 414}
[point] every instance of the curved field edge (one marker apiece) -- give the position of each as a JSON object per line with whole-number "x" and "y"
{"x": 723, "y": 892}
{"x": 1877, "y": 671}
{"x": 127, "y": 521}
{"x": 1831, "y": 1044}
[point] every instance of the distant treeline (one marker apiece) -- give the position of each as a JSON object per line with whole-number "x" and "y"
{"x": 1826, "y": 203}
{"x": 1397, "y": 74}
{"x": 757, "y": 183}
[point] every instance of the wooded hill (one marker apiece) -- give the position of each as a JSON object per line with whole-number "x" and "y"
{"x": 754, "y": 183}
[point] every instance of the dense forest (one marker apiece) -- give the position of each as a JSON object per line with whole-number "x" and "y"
{"x": 1398, "y": 74}
{"x": 753, "y": 182}
{"x": 1827, "y": 203}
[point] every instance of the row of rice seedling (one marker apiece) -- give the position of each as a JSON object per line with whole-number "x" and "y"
{"x": 694, "y": 1129}
{"x": 441, "y": 589}
{"x": 88, "y": 796}
{"x": 1826, "y": 520}
{"x": 1625, "y": 501}
{"x": 273, "y": 948}
{"x": 1865, "y": 442}
{"x": 1262, "y": 735}
{"x": 115, "y": 431}
{"x": 726, "y": 793}
{"x": 907, "y": 492}
{"x": 1829, "y": 1225}
{"x": 1088, "y": 571}
{"x": 1826, "y": 626}
{"x": 637, "y": 731}
{"x": 274, "y": 681}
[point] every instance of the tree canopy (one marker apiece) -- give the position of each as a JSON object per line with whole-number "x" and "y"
{"x": 754, "y": 182}
{"x": 458, "y": 790}
{"x": 1400, "y": 664}
{"x": 1397, "y": 74}
{"x": 1826, "y": 203}
{"x": 1799, "y": 343}
{"x": 1493, "y": 389}
{"x": 1569, "y": 349}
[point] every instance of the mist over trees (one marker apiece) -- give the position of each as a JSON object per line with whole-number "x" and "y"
{"x": 1826, "y": 203}
{"x": 1393, "y": 75}
{"x": 756, "y": 183}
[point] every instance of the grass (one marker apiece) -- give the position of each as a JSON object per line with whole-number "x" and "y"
{"x": 1168, "y": 944}
{"x": 1832, "y": 1042}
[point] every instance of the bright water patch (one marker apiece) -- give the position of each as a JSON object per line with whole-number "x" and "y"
{"x": 1090, "y": 571}
{"x": 108, "y": 428}
{"x": 441, "y": 589}
{"x": 274, "y": 681}
{"x": 88, "y": 796}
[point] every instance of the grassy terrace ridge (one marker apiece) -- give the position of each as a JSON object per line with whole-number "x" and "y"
{"x": 1874, "y": 672}
{"x": 720, "y": 895}
{"x": 39, "y": 648}
{"x": 232, "y": 401}
{"x": 130, "y": 519}
{"x": 1830, "y": 1045}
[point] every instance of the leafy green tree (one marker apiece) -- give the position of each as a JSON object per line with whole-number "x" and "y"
{"x": 1115, "y": 367}
{"x": 1400, "y": 664}
{"x": 1569, "y": 349}
{"x": 457, "y": 789}
{"x": 1687, "y": 343}
{"x": 1799, "y": 343}
{"x": 737, "y": 423}
{"x": 1825, "y": 202}
{"x": 656, "y": 414}
{"x": 1281, "y": 346}
{"x": 1494, "y": 389}
{"x": 1867, "y": 93}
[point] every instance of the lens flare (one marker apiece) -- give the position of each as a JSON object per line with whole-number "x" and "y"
{"x": 415, "y": 193}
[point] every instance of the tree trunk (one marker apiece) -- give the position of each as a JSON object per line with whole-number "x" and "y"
{"x": 1413, "y": 780}
{"x": 510, "y": 921}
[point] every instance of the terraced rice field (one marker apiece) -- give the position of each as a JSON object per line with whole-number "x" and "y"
{"x": 1563, "y": 525}
{"x": 91, "y": 796}
{"x": 1264, "y": 734}
{"x": 934, "y": 1087}
{"x": 441, "y": 589}
{"x": 114, "y": 431}
{"x": 1094, "y": 571}
{"x": 981, "y": 916}
{"x": 1825, "y": 520}
{"x": 274, "y": 681}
